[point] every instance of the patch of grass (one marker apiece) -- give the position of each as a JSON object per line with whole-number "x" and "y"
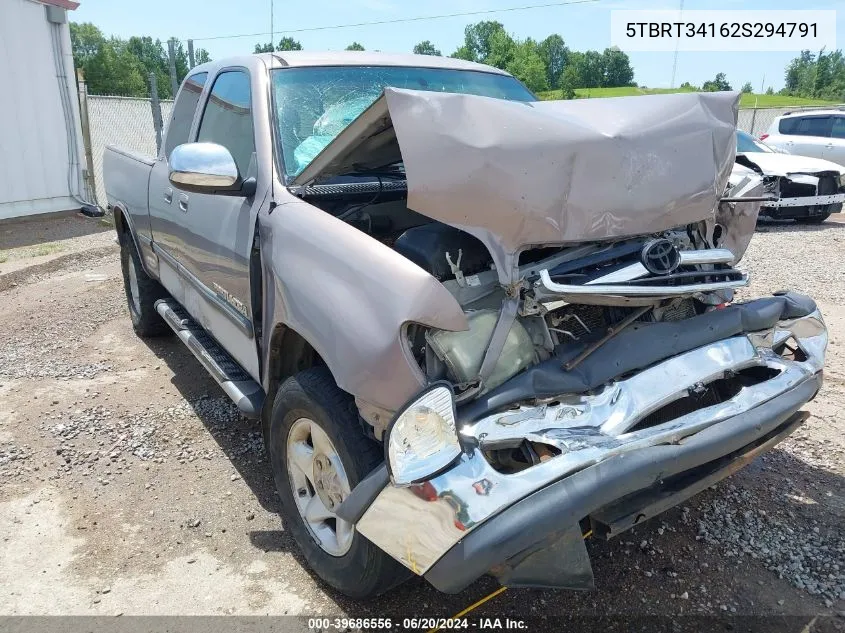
{"x": 4, "y": 257}
{"x": 45, "y": 249}
{"x": 746, "y": 101}
{"x": 779, "y": 101}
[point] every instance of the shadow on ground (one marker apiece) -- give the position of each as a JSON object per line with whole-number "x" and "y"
{"x": 769, "y": 225}
{"x": 636, "y": 586}
{"x": 239, "y": 440}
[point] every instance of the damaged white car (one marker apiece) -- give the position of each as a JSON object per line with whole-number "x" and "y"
{"x": 805, "y": 189}
{"x": 474, "y": 326}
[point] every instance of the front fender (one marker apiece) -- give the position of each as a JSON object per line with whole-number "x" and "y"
{"x": 349, "y": 295}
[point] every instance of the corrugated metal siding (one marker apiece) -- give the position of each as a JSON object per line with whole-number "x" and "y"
{"x": 33, "y": 139}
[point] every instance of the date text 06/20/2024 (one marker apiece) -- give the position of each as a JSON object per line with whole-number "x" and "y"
{"x": 417, "y": 624}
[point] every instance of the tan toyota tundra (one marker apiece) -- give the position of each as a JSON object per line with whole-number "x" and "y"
{"x": 473, "y": 325}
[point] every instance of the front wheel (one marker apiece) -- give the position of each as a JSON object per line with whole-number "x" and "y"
{"x": 319, "y": 454}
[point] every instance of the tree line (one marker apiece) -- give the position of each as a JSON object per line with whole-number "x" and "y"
{"x": 122, "y": 67}
{"x": 818, "y": 76}
{"x": 810, "y": 75}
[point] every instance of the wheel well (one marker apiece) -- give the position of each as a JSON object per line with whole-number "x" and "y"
{"x": 120, "y": 224}
{"x": 289, "y": 355}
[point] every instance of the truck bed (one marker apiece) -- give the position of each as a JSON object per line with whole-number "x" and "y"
{"x": 127, "y": 176}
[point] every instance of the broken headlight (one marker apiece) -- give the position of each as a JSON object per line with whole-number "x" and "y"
{"x": 423, "y": 439}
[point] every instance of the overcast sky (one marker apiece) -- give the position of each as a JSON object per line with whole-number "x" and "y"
{"x": 585, "y": 26}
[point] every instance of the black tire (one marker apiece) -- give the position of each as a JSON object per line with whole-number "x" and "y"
{"x": 813, "y": 219}
{"x": 364, "y": 571}
{"x": 145, "y": 320}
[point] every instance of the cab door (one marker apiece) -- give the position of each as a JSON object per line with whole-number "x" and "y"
{"x": 165, "y": 216}
{"x": 215, "y": 235}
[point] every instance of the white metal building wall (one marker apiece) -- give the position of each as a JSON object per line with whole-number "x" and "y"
{"x": 36, "y": 175}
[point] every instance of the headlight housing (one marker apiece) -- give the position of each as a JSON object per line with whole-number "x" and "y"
{"x": 423, "y": 438}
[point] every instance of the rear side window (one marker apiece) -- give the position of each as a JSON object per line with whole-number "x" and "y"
{"x": 227, "y": 119}
{"x": 838, "y": 130}
{"x": 787, "y": 126}
{"x": 806, "y": 126}
{"x": 183, "y": 112}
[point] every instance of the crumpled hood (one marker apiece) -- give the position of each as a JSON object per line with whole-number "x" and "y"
{"x": 522, "y": 174}
{"x": 785, "y": 164}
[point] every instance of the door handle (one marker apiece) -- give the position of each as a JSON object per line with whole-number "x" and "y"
{"x": 183, "y": 203}
{"x": 168, "y": 195}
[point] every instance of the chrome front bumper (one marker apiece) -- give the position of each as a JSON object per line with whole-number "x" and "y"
{"x": 418, "y": 525}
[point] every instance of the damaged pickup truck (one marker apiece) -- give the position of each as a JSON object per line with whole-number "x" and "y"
{"x": 474, "y": 325}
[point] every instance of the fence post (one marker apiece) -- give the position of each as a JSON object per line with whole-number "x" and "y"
{"x": 156, "y": 108}
{"x": 190, "y": 54}
{"x": 753, "y": 120}
{"x": 90, "y": 181}
{"x": 171, "y": 49}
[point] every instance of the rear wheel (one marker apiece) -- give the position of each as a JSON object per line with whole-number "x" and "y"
{"x": 319, "y": 454}
{"x": 813, "y": 219}
{"x": 821, "y": 217}
{"x": 142, "y": 291}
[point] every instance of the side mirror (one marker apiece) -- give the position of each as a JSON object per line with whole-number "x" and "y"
{"x": 207, "y": 168}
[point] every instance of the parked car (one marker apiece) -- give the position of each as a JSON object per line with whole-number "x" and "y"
{"x": 473, "y": 325}
{"x": 805, "y": 189}
{"x": 814, "y": 133}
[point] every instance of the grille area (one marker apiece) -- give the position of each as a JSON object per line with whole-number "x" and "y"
{"x": 582, "y": 320}
{"x": 827, "y": 185}
{"x": 716, "y": 392}
{"x": 789, "y": 189}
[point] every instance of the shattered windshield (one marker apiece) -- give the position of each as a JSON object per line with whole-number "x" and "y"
{"x": 313, "y": 105}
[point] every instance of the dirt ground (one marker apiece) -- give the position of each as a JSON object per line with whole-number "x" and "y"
{"x": 129, "y": 484}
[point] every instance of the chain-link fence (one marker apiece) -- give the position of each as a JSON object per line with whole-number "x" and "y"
{"x": 127, "y": 122}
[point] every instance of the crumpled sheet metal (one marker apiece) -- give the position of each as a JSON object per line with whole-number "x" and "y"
{"x": 520, "y": 174}
{"x": 737, "y": 219}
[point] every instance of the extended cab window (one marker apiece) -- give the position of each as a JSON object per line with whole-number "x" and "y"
{"x": 227, "y": 119}
{"x": 183, "y": 112}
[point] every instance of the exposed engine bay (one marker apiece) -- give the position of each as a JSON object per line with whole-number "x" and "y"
{"x": 594, "y": 352}
{"x": 659, "y": 247}
{"x": 569, "y": 301}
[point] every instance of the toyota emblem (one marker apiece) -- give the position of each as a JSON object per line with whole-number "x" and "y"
{"x": 660, "y": 257}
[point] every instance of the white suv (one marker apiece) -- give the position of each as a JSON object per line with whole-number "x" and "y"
{"x": 817, "y": 133}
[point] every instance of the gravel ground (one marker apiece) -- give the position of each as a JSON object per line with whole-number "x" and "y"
{"x": 129, "y": 484}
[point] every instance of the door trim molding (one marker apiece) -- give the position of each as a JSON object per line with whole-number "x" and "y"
{"x": 243, "y": 324}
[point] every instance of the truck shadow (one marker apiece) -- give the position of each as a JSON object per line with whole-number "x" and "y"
{"x": 640, "y": 576}
{"x": 239, "y": 438}
{"x": 768, "y": 225}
